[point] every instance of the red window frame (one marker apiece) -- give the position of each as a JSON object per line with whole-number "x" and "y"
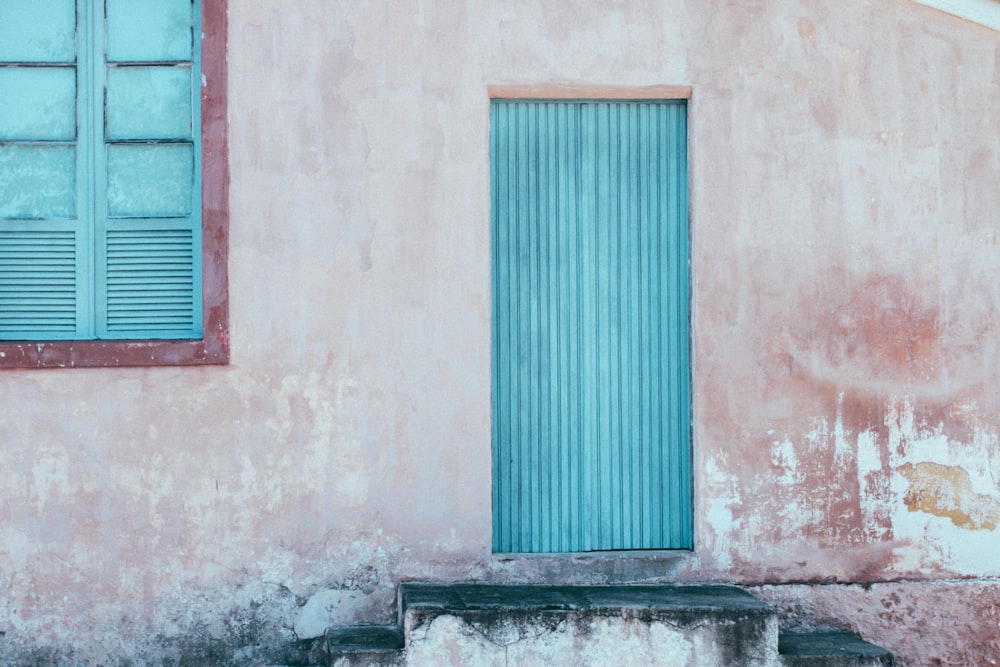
{"x": 213, "y": 347}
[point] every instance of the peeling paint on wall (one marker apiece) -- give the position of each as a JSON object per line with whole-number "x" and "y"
{"x": 922, "y": 623}
{"x": 946, "y": 491}
{"x": 833, "y": 485}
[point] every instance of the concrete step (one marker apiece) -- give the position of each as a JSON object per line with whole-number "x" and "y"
{"x": 585, "y": 625}
{"x": 474, "y": 625}
{"x": 365, "y": 646}
{"x": 830, "y": 649}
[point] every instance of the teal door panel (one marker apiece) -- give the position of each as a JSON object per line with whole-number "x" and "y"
{"x": 591, "y": 415}
{"x": 151, "y": 102}
{"x": 37, "y": 181}
{"x": 150, "y": 180}
{"x": 149, "y": 30}
{"x": 39, "y": 103}
{"x": 38, "y": 31}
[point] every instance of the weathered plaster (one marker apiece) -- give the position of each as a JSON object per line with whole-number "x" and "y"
{"x": 946, "y": 491}
{"x": 576, "y": 640}
{"x": 845, "y": 288}
{"x": 922, "y": 624}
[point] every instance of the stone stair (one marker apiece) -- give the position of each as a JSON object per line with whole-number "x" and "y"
{"x": 366, "y": 646}
{"x": 556, "y": 626}
{"x": 829, "y": 649}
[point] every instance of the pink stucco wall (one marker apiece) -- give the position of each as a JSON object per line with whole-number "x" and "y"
{"x": 844, "y": 218}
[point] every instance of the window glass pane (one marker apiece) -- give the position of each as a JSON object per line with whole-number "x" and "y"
{"x": 37, "y": 31}
{"x": 149, "y": 30}
{"x": 38, "y": 103}
{"x": 37, "y": 181}
{"x": 149, "y": 103}
{"x": 150, "y": 180}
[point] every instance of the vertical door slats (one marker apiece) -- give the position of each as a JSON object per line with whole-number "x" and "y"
{"x": 590, "y": 326}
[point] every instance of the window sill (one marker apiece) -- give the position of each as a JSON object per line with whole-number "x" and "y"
{"x": 112, "y": 354}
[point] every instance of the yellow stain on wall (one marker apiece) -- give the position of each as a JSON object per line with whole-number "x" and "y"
{"x": 946, "y": 491}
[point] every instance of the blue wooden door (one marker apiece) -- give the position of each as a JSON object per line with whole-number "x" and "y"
{"x": 591, "y": 408}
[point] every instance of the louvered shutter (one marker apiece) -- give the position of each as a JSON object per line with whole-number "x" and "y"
{"x": 591, "y": 412}
{"x": 149, "y": 248}
{"x": 43, "y": 232}
{"x": 100, "y": 154}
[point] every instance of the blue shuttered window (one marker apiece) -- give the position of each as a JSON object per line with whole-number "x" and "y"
{"x": 591, "y": 408}
{"x": 100, "y": 170}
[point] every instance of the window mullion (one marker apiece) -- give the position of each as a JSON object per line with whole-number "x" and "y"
{"x": 90, "y": 105}
{"x": 98, "y": 227}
